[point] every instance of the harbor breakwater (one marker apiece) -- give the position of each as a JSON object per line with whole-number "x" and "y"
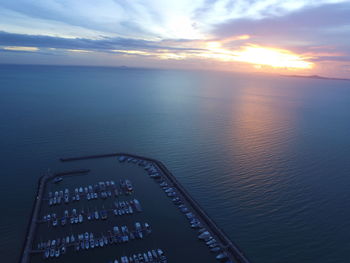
{"x": 233, "y": 251}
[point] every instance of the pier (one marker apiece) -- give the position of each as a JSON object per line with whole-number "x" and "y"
{"x": 232, "y": 252}
{"x": 28, "y": 242}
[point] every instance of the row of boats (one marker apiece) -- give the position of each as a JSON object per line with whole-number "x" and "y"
{"x": 85, "y": 241}
{"x": 101, "y": 190}
{"x": 151, "y": 256}
{"x": 148, "y": 166}
{"x": 203, "y": 234}
{"x": 74, "y": 217}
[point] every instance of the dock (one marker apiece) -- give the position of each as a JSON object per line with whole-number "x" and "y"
{"x": 32, "y": 225}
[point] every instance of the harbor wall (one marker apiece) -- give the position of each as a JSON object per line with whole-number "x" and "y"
{"x": 230, "y": 246}
{"x": 32, "y": 224}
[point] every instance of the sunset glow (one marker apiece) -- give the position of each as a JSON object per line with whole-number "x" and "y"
{"x": 251, "y": 54}
{"x": 273, "y": 57}
{"x": 301, "y": 37}
{"x": 19, "y": 48}
{"x": 258, "y": 55}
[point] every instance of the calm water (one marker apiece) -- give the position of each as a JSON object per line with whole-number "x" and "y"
{"x": 268, "y": 158}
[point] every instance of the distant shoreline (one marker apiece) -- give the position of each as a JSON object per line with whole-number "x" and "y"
{"x": 125, "y": 67}
{"x": 314, "y": 77}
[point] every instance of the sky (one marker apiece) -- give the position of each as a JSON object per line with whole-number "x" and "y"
{"x": 296, "y": 37}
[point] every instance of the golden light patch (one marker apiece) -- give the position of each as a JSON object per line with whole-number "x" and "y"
{"x": 258, "y": 55}
{"x": 19, "y": 48}
{"x": 79, "y": 50}
{"x": 132, "y": 52}
{"x": 243, "y": 37}
{"x": 273, "y": 57}
{"x": 213, "y": 44}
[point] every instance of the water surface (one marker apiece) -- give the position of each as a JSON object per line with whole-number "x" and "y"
{"x": 267, "y": 157}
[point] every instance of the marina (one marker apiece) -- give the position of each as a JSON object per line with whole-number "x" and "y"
{"x": 116, "y": 214}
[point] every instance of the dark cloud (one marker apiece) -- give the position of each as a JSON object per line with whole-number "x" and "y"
{"x": 327, "y": 24}
{"x": 104, "y": 44}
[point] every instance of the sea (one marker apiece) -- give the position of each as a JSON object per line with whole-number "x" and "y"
{"x": 267, "y": 157}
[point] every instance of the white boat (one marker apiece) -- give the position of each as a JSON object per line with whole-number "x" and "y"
{"x": 215, "y": 249}
{"x": 138, "y": 230}
{"x": 137, "y": 205}
{"x": 124, "y": 259}
{"x": 47, "y": 253}
{"x": 221, "y": 256}
{"x": 204, "y": 235}
{"x": 87, "y": 244}
{"x": 154, "y": 254}
{"x": 57, "y": 179}
{"x": 92, "y": 243}
{"x": 148, "y": 228}
{"x": 128, "y": 185}
{"x": 116, "y": 230}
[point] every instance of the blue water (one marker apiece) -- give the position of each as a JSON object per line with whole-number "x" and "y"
{"x": 267, "y": 157}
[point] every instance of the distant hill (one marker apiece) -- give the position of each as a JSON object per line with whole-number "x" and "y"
{"x": 314, "y": 77}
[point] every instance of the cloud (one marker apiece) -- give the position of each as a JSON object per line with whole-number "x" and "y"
{"x": 176, "y": 30}
{"x": 21, "y": 48}
{"x": 85, "y": 45}
{"x": 8, "y": 39}
{"x": 309, "y": 25}
{"x": 148, "y": 19}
